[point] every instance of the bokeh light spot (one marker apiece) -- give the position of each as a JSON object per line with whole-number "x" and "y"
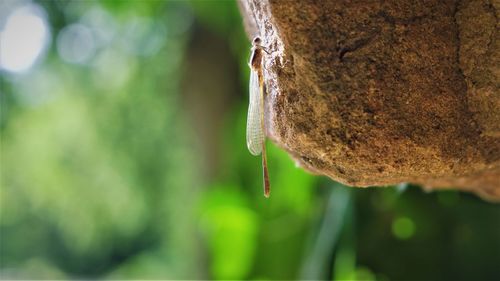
{"x": 102, "y": 24}
{"x": 403, "y": 228}
{"x": 76, "y": 44}
{"x": 23, "y": 38}
{"x": 143, "y": 36}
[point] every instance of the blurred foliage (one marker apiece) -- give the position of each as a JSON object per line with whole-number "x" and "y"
{"x": 102, "y": 174}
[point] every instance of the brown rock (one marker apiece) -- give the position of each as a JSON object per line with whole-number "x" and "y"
{"x": 377, "y": 93}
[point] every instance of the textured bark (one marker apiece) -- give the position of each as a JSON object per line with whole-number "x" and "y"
{"x": 382, "y": 92}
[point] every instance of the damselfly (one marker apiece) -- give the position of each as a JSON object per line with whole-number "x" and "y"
{"x": 256, "y": 140}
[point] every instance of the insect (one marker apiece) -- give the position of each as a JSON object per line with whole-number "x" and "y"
{"x": 256, "y": 140}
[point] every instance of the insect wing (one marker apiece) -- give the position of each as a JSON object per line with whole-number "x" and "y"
{"x": 255, "y": 135}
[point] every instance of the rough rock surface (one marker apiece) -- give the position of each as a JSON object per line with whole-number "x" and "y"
{"x": 381, "y": 92}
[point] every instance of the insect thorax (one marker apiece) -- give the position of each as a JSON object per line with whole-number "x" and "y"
{"x": 256, "y": 58}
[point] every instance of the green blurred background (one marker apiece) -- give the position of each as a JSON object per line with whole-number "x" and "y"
{"x": 123, "y": 156}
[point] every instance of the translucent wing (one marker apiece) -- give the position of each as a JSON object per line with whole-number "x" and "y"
{"x": 255, "y": 135}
